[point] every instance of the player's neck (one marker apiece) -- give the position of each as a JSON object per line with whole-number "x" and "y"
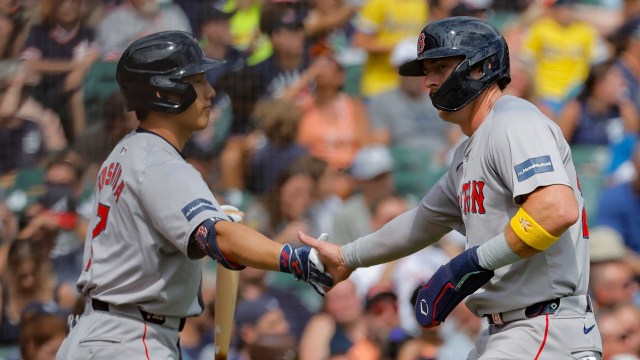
{"x": 167, "y": 132}
{"x": 480, "y": 108}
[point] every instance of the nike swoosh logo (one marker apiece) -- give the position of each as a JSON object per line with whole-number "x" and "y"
{"x": 588, "y": 329}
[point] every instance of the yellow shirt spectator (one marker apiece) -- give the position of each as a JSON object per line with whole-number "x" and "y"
{"x": 561, "y": 56}
{"x": 385, "y": 23}
{"x": 245, "y": 30}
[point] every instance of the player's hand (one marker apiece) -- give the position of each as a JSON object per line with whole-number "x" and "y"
{"x": 233, "y": 213}
{"x": 302, "y": 262}
{"x": 330, "y": 255}
{"x": 448, "y": 286}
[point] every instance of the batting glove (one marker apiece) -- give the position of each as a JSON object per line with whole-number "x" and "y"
{"x": 233, "y": 213}
{"x": 303, "y": 263}
{"x": 448, "y": 286}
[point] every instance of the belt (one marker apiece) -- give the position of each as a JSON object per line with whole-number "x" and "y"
{"x": 542, "y": 308}
{"x": 136, "y": 312}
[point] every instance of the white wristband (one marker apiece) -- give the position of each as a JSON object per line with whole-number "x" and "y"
{"x": 496, "y": 253}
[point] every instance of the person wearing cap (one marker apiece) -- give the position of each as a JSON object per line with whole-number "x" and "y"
{"x": 214, "y": 30}
{"x": 404, "y": 116}
{"x": 383, "y": 318}
{"x": 612, "y": 282}
{"x": 260, "y": 318}
{"x": 270, "y": 78}
{"x": 372, "y": 171}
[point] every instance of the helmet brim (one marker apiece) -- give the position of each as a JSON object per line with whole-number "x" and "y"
{"x": 414, "y": 67}
{"x": 204, "y": 65}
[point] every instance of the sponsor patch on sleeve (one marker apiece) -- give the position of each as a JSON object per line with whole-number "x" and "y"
{"x": 196, "y": 207}
{"x": 537, "y": 165}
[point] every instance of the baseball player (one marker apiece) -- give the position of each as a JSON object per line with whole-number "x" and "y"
{"x": 154, "y": 216}
{"x": 512, "y": 190}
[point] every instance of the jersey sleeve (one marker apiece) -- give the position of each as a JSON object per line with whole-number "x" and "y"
{"x": 441, "y": 205}
{"x": 177, "y": 200}
{"x": 525, "y": 152}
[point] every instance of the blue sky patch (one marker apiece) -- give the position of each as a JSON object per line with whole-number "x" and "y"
{"x": 196, "y": 207}
{"x": 537, "y": 165}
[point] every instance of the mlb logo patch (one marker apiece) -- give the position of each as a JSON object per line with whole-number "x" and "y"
{"x": 537, "y": 165}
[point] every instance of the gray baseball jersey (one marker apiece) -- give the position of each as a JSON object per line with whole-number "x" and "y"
{"x": 148, "y": 201}
{"x": 514, "y": 151}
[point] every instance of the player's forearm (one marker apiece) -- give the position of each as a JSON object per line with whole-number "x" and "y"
{"x": 245, "y": 246}
{"x": 552, "y": 208}
{"x": 402, "y": 236}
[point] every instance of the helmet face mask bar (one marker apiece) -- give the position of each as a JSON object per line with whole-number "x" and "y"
{"x": 480, "y": 45}
{"x": 150, "y": 72}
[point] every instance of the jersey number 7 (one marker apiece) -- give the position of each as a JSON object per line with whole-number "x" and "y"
{"x": 103, "y": 215}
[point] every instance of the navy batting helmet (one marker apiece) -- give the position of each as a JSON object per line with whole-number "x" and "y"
{"x": 478, "y": 42}
{"x": 151, "y": 70}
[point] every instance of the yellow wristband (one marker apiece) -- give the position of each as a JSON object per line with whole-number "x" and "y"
{"x": 529, "y": 231}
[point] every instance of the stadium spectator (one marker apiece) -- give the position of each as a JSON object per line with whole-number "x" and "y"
{"x": 617, "y": 206}
{"x": 335, "y": 125}
{"x": 340, "y": 329}
{"x": 268, "y": 79}
{"x": 611, "y": 283}
{"x": 61, "y": 50}
{"x": 380, "y": 25}
{"x": 134, "y": 19}
{"x": 283, "y": 210}
{"x": 560, "y": 49}
{"x": 404, "y": 115}
{"x": 626, "y": 41}
{"x": 12, "y": 27}
{"x": 383, "y": 320}
{"x": 41, "y": 336}
{"x": 330, "y": 186}
{"x": 28, "y": 284}
{"x": 372, "y": 171}
{"x": 602, "y": 113}
{"x": 246, "y": 31}
{"x": 99, "y": 139}
{"x": 260, "y": 320}
{"x": 16, "y": 100}
{"x": 615, "y": 338}
{"x": 329, "y": 25}
{"x": 214, "y": 29}
{"x": 21, "y": 139}
{"x": 54, "y": 220}
{"x": 255, "y": 283}
{"x": 278, "y": 121}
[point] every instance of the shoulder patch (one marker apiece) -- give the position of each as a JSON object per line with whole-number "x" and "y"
{"x": 530, "y": 167}
{"x": 196, "y": 207}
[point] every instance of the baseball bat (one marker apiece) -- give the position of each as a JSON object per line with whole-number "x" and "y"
{"x": 225, "y": 307}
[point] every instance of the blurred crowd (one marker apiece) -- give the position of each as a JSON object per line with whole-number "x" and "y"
{"x": 312, "y": 129}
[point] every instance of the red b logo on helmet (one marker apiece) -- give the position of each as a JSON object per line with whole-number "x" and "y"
{"x": 421, "y": 43}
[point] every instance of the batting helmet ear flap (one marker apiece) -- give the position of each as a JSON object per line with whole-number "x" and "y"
{"x": 172, "y": 95}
